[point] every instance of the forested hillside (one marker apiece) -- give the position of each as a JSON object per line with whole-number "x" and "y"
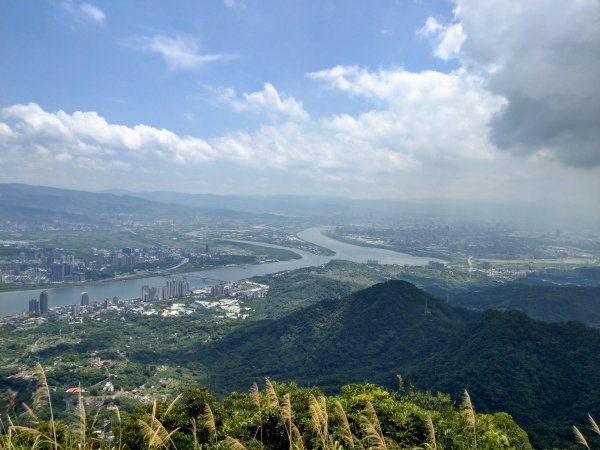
{"x": 511, "y": 361}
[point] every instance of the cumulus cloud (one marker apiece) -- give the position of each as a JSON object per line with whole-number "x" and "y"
{"x": 543, "y": 58}
{"x": 447, "y": 39}
{"x": 425, "y": 119}
{"x": 423, "y": 134}
{"x": 432, "y": 116}
{"x": 268, "y": 101}
{"x": 61, "y": 137}
{"x": 180, "y": 52}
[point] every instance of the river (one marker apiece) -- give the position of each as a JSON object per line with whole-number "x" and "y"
{"x": 14, "y": 302}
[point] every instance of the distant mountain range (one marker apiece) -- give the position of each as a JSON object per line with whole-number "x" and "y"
{"x": 41, "y": 203}
{"x": 367, "y": 209}
{"x": 21, "y": 201}
{"x": 546, "y": 375}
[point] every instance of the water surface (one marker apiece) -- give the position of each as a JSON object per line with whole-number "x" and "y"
{"x": 14, "y": 302}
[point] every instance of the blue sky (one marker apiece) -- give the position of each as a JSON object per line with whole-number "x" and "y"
{"x": 69, "y": 60}
{"x": 395, "y": 99}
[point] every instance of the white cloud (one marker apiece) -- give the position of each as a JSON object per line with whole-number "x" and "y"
{"x": 93, "y": 13}
{"x": 424, "y": 122}
{"x": 447, "y": 39}
{"x": 268, "y": 101}
{"x": 434, "y": 117}
{"x": 426, "y": 133}
{"x": 83, "y": 12}
{"x": 543, "y": 58}
{"x": 180, "y": 52}
{"x": 86, "y": 134}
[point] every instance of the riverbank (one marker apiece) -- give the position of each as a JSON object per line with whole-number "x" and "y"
{"x": 272, "y": 252}
{"x": 13, "y": 302}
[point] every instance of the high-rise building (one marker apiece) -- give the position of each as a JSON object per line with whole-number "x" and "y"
{"x": 44, "y": 302}
{"x": 58, "y": 272}
{"x": 34, "y": 306}
{"x": 145, "y": 293}
{"x": 217, "y": 290}
{"x": 75, "y": 310}
{"x": 85, "y": 299}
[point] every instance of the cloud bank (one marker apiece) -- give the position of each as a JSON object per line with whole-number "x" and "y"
{"x": 542, "y": 57}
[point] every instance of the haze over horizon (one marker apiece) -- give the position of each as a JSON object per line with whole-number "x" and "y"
{"x": 484, "y": 101}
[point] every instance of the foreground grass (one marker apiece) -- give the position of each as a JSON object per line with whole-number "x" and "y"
{"x": 280, "y": 416}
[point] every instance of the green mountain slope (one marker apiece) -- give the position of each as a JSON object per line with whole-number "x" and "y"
{"x": 367, "y": 336}
{"x": 546, "y": 375}
{"x": 549, "y": 303}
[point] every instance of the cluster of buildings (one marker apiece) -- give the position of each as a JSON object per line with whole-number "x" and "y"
{"x": 39, "y": 306}
{"x": 229, "y": 308}
{"x": 62, "y": 271}
{"x": 52, "y": 265}
{"x": 230, "y": 298}
{"x": 243, "y": 290}
{"x": 225, "y": 299}
{"x": 173, "y": 289}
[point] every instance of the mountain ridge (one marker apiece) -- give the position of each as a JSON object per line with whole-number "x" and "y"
{"x": 507, "y": 360}
{"x": 19, "y": 200}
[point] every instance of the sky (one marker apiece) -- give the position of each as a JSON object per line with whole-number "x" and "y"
{"x": 399, "y": 99}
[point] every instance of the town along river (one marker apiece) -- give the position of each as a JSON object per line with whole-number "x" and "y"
{"x": 14, "y": 302}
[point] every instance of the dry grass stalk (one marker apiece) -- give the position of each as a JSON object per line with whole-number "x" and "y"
{"x": 10, "y": 400}
{"x": 271, "y": 394}
{"x": 234, "y": 444}
{"x": 286, "y": 415}
{"x": 469, "y": 415}
{"x": 194, "y": 430}
{"x": 346, "y": 432}
{"x": 26, "y": 430}
{"x": 319, "y": 418}
{"x": 118, "y": 414}
{"x": 580, "y": 438}
{"x": 81, "y": 416}
{"x": 154, "y": 432}
{"x": 36, "y": 434}
{"x": 31, "y": 413}
{"x": 152, "y": 435}
{"x": 255, "y": 396}
{"x": 298, "y": 442}
{"x": 171, "y": 405}
{"x": 45, "y": 389}
{"x": 209, "y": 422}
{"x": 372, "y": 429}
{"x": 594, "y": 425}
{"x": 431, "y": 438}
